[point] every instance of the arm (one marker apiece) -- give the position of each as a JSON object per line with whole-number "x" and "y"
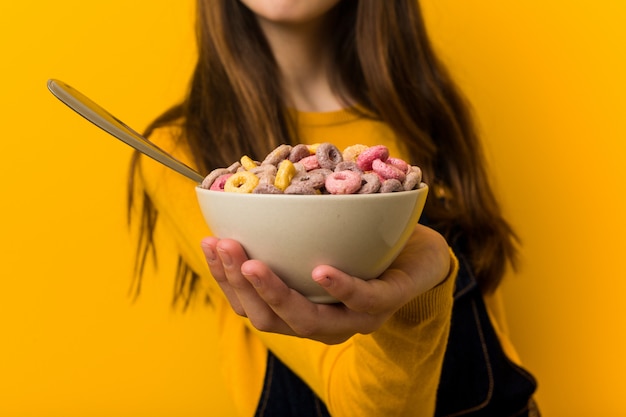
{"x": 391, "y": 365}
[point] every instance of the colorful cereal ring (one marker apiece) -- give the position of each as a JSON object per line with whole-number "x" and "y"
{"x": 241, "y": 182}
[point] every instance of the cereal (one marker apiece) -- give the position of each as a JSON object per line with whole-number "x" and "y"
{"x": 286, "y": 171}
{"x": 391, "y": 186}
{"x": 398, "y": 163}
{"x": 247, "y": 163}
{"x": 267, "y": 189}
{"x": 343, "y": 182}
{"x": 301, "y": 189}
{"x": 213, "y": 175}
{"x": 218, "y": 184}
{"x": 328, "y": 156}
{"x": 234, "y": 167}
{"x": 348, "y": 165}
{"x": 298, "y": 152}
{"x": 241, "y": 182}
{"x": 352, "y": 152}
{"x": 370, "y": 183}
{"x": 413, "y": 179}
{"x": 317, "y": 169}
{"x": 366, "y": 157}
{"x": 315, "y": 180}
{"x": 387, "y": 171}
{"x": 310, "y": 162}
{"x": 277, "y": 155}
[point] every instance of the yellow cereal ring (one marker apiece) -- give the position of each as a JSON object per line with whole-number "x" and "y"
{"x": 352, "y": 152}
{"x": 285, "y": 173}
{"x": 247, "y": 163}
{"x": 313, "y": 147}
{"x": 241, "y": 182}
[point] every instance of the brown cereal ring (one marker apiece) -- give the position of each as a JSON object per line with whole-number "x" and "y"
{"x": 300, "y": 189}
{"x": 315, "y": 180}
{"x": 277, "y": 155}
{"x": 213, "y": 175}
{"x": 328, "y": 156}
{"x": 325, "y": 172}
{"x": 349, "y": 166}
{"x": 264, "y": 169}
{"x": 234, "y": 167}
{"x": 391, "y": 186}
{"x": 413, "y": 179}
{"x": 300, "y": 169}
{"x": 263, "y": 188}
{"x": 370, "y": 183}
{"x": 298, "y": 152}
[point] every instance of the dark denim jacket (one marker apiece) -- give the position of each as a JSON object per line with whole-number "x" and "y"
{"x": 477, "y": 379}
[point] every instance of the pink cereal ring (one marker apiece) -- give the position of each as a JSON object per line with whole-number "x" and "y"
{"x": 399, "y": 163}
{"x": 388, "y": 171}
{"x": 310, "y": 162}
{"x": 369, "y": 155}
{"x": 343, "y": 182}
{"x": 218, "y": 184}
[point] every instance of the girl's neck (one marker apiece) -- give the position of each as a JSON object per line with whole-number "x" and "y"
{"x": 302, "y": 54}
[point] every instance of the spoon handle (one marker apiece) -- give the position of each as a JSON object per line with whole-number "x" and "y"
{"x": 110, "y": 124}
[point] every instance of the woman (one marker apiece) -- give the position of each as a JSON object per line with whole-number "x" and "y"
{"x": 426, "y": 337}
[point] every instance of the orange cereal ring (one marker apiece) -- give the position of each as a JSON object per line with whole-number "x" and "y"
{"x": 313, "y": 147}
{"x": 352, "y": 152}
{"x": 241, "y": 182}
{"x": 285, "y": 173}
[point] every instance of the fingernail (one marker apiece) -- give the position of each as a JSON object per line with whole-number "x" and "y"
{"x": 225, "y": 257}
{"x": 210, "y": 254}
{"x": 323, "y": 281}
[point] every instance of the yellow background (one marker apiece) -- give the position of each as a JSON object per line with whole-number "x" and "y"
{"x": 547, "y": 82}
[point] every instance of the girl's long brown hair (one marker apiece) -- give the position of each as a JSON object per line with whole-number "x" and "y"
{"x": 384, "y": 61}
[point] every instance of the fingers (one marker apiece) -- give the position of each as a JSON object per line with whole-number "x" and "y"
{"x": 376, "y": 296}
{"x": 215, "y": 262}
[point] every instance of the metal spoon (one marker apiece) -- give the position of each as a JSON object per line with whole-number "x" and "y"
{"x": 110, "y": 124}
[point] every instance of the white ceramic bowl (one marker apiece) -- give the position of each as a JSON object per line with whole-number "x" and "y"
{"x": 360, "y": 234}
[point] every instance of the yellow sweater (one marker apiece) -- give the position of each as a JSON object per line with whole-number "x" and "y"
{"x": 393, "y": 371}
